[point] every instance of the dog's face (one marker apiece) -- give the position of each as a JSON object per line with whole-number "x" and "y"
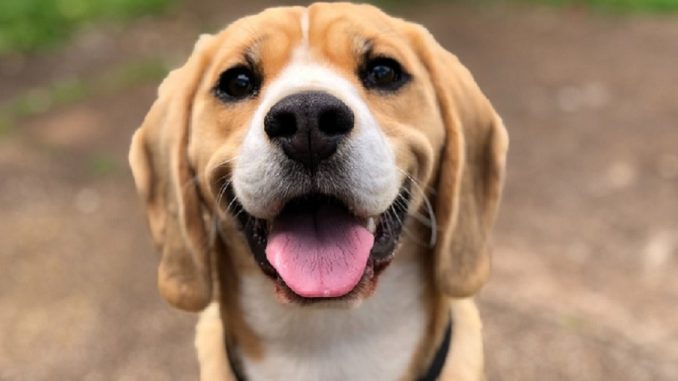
{"x": 315, "y": 132}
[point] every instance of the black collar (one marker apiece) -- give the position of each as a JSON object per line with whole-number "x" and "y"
{"x": 432, "y": 373}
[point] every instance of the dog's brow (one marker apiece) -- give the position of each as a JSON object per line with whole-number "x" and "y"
{"x": 252, "y": 51}
{"x": 251, "y": 56}
{"x": 364, "y": 46}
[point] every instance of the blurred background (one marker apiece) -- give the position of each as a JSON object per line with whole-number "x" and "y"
{"x": 585, "y": 249}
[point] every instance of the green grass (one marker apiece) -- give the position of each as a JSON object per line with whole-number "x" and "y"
{"x": 649, "y": 6}
{"x": 63, "y": 92}
{"x": 28, "y": 25}
{"x": 642, "y": 6}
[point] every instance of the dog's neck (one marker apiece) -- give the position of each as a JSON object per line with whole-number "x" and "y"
{"x": 375, "y": 340}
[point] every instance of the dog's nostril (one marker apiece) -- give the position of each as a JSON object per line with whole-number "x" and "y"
{"x": 280, "y": 124}
{"x": 309, "y": 126}
{"x": 336, "y": 120}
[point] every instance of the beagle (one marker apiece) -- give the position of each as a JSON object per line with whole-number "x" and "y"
{"x": 321, "y": 182}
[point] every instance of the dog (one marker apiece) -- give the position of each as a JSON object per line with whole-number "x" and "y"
{"x": 321, "y": 182}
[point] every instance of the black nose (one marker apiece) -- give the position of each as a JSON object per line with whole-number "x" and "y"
{"x": 309, "y": 126}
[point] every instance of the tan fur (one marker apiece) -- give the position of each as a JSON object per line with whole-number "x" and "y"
{"x": 209, "y": 344}
{"x": 445, "y": 134}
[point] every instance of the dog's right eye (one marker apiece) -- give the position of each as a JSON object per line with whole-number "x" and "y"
{"x": 237, "y": 83}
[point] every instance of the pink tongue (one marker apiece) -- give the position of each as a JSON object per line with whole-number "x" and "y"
{"x": 319, "y": 254}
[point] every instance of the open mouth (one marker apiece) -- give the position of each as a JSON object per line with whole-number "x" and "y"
{"x": 317, "y": 249}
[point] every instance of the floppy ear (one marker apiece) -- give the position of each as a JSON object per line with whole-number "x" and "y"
{"x": 165, "y": 181}
{"x": 470, "y": 174}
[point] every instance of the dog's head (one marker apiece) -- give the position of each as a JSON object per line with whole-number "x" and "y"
{"x": 317, "y": 131}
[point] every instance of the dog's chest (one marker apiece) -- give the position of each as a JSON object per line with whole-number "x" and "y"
{"x": 375, "y": 340}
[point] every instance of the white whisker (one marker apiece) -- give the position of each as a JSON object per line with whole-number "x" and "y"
{"x": 432, "y": 222}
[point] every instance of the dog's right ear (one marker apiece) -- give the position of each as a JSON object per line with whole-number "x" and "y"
{"x": 165, "y": 180}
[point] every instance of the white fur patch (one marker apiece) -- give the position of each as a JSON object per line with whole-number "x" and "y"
{"x": 374, "y": 341}
{"x": 370, "y": 181}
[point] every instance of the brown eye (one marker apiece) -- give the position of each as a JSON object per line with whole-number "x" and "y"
{"x": 236, "y": 84}
{"x": 383, "y": 74}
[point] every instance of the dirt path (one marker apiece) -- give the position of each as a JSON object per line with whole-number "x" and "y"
{"x": 585, "y": 250}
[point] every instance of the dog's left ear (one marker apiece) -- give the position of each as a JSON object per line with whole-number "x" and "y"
{"x": 471, "y": 170}
{"x": 165, "y": 181}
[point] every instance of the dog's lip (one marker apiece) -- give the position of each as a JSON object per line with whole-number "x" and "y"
{"x": 386, "y": 228}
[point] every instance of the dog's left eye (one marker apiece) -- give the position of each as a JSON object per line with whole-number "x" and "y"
{"x": 236, "y": 83}
{"x": 383, "y": 74}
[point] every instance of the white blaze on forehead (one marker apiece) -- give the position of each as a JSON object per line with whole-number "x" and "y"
{"x": 304, "y": 28}
{"x": 372, "y": 181}
{"x": 303, "y": 52}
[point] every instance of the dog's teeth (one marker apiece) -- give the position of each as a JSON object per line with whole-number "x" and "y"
{"x": 371, "y": 225}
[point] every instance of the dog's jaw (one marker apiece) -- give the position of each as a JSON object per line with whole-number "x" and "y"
{"x": 386, "y": 229}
